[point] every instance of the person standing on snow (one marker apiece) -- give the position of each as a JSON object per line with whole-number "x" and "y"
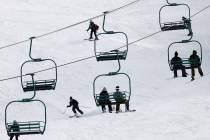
{"x": 93, "y": 29}
{"x": 75, "y": 106}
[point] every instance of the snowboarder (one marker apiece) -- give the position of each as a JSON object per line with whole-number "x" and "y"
{"x": 104, "y": 99}
{"x": 195, "y": 63}
{"x": 176, "y": 62}
{"x": 75, "y": 106}
{"x": 118, "y": 96}
{"x": 14, "y": 128}
{"x": 187, "y": 23}
{"x": 93, "y": 29}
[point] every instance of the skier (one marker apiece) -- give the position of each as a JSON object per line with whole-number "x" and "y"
{"x": 93, "y": 29}
{"x": 14, "y": 128}
{"x": 195, "y": 63}
{"x": 176, "y": 62}
{"x": 104, "y": 99}
{"x": 187, "y": 23}
{"x": 75, "y": 106}
{"x": 118, "y": 96}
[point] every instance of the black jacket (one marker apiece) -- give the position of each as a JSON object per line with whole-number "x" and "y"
{"x": 73, "y": 103}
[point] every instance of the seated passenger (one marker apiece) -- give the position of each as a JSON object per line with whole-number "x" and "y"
{"x": 176, "y": 63}
{"x": 104, "y": 100}
{"x": 120, "y": 98}
{"x": 14, "y": 128}
{"x": 195, "y": 63}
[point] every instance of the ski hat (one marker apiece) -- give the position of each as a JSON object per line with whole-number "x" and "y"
{"x": 14, "y": 122}
{"x": 176, "y": 53}
{"x": 194, "y": 52}
{"x": 70, "y": 98}
{"x": 104, "y": 89}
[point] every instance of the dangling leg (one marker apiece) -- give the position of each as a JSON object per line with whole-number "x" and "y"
{"x": 103, "y": 107}
{"x": 16, "y": 137}
{"x": 175, "y": 73}
{"x": 189, "y": 29}
{"x": 200, "y": 71}
{"x": 11, "y": 137}
{"x": 127, "y": 106}
{"x": 184, "y": 74}
{"x": 110, "y": 108}
{"x": 193, "y": 73}
{"x": 117, "y": 108}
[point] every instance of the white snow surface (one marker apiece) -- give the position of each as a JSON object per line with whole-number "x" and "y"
{"x": 167, "y": 108}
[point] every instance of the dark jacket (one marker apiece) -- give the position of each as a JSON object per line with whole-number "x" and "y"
{"x": 73, "y": 103}
{"x": 14, "y": 127}
{"x": 118, "y": 96}
{"x": 176, "y": 62}
{"x": 195, "y": 60}
{"x": 104, "y": 97}
{"x": 92, "y": 27}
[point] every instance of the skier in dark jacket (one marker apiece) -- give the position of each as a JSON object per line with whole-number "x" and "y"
{"x": 93, "y": 29}
{"x": 187, "y": 23}
{"x": 176, "y": 63}
{"x": 14, "y": 128}
{"x": 120, "y": 98}
{"x": 104, "y": 100}
{"x": 75, "y": 106}
{"x": 195, "y": 63}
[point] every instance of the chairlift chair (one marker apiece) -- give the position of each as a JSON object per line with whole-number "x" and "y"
{"x": 115, "y": 54}
{"x": 185, "y": 61}
{"x": 26, "y": 127}
{"x": 100, "y": 101}
{"x": 173, "y": 25}
{"x": 42, "y": 84}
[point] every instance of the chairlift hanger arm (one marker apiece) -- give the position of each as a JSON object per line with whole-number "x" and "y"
{"x": 31, "y": 43}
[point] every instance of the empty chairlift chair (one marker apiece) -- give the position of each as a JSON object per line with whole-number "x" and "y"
{"x": 39, "y": 84}
{"x": 114, "y": 54}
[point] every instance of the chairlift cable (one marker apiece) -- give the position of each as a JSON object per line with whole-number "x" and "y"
{"x": 75, "y": 24}
{"x": 86, "y": 58}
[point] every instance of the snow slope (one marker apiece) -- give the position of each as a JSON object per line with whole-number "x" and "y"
{"x": 167, "y": 108}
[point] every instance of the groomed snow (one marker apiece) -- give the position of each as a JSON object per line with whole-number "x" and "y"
{"x": 167, "y": 108}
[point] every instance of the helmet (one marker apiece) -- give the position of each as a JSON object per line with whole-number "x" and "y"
{"x": 117, "y": 87}
{"x": 104, "y": 89}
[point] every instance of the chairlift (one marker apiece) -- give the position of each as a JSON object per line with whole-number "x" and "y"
{"x": 185, "y": 61}
{"x": 112, "y": 100}
{"x": 26, "y": 127}
{"x": 40, "y": 84}
{"x": 174, "y": 25}
{"x": 114, "y": 54}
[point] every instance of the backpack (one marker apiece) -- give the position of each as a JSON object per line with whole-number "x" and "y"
{"x": 96, "y": 27}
